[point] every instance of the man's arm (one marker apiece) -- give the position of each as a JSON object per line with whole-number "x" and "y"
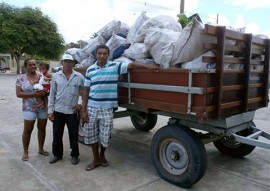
{"x": 84, "y": 112}
{"x": 51, "y": 98}
{"x": 85, "y": 95}
{"x": 139, "y": 65}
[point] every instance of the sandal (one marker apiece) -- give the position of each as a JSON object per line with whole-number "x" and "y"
{"x": 25, "y": 158}
{"x": 44, "y": 153}
{"x": 92, "y": 166}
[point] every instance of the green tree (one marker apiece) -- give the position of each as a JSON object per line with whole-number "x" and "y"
{"x": 73, "y": 45}
{"x": 28, "y": 31}
{"x": 183, "y": 20}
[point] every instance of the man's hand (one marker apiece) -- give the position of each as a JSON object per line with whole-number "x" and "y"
{"x": 84, "y": 116}
{"x": 77, "y": 108}
{"x": 152, "y": 66}
{"x": 51, "y": 117}
{"x": 139, "y": 65}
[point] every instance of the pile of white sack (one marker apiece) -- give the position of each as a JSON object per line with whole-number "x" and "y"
{"x": 159, "y": 40}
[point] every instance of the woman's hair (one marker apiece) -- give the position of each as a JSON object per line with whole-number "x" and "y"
{"x": 103, "y": 47}
{"x": 26, "y": 62}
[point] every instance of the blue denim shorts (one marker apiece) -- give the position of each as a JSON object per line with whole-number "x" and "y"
{"x": 31, "y": 116}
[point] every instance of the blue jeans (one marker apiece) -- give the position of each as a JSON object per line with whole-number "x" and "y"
{"x": 72, "y": 122}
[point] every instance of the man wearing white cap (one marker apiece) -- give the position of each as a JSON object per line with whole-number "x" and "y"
{"x": 63, "y": 108}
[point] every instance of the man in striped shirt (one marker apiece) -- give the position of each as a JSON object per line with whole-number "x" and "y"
{"x": 99, "y": 99}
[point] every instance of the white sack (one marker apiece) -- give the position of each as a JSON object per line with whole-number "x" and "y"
{"x": 146, "y": 61}
{"x": 190, "y": 45}
{"x": 115, "y": 26}
{"x": 84, "y": 43}
{"x": 76, "y": 54}
{"x": 161, "y": 21}
{"x": 198, "y": 62}
{"x": 136, "y": 51}
{"x": 92, "y": 45}
{"x": 160, "y": 43}
{"x": 87, "y": 62}
{"x": 123, "y": 59}
{"x": 135, "y": 28}
{"x": 114, "y": 43}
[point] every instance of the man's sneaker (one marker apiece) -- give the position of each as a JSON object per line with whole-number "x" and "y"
{"x": 74, "y": 160}
{"x": 54, "y": 159}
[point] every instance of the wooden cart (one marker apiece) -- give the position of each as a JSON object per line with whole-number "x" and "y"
{"x": 204, "y": 105}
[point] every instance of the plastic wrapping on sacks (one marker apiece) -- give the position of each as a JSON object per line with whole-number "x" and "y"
{"x": 136, "y": 51}
{"x": 161, "y": 21}
{"x": 76, "y": 54}
{"x": 134, "y": 29}
{"x": 160, "y": 44}
{"x": 90, "y": 48}
{"x": 198, "y": 62}
{"x": 115, "y": 26}
{"x": 115, "y": 43}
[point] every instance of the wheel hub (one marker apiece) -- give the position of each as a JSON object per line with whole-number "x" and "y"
{"x": 175, "y": 155}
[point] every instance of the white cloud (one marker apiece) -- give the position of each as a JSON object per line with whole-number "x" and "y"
{"x": 238, "y": 23}
{"x": 267, "y": 33}
{"x": 253, "y": 28}
{"x": 79, "y": 19}
{"x": 191, "y": 5}
{"x": 220, "y": 19}
{"x": 251, "y": 4}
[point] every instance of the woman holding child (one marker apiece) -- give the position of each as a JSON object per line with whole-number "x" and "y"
{"x": 32, "y": 107}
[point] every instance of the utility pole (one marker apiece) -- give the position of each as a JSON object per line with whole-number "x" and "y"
{"x": 182, "y": 6}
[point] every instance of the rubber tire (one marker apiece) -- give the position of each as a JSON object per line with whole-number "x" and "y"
{"x": 3, "y": 70}
{"x": 144, "y": 121}
{"x": 195, "y": 156}
{"x": 235, "y": 149}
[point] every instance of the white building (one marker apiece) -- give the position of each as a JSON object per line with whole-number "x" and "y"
{"x": 7, "y": 61}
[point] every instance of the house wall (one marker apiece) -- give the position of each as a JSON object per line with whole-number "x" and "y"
{"x": 7, "y": 61}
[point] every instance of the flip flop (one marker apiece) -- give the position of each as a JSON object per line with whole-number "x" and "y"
{"x": 92, "y": 166}
{"x": 25, "y": 158}
{"x": 44, "y": 153}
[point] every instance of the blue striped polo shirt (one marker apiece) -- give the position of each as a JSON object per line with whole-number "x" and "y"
{"x": 103, "y": 84}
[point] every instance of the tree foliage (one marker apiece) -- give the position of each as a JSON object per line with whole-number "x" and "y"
{"x": 183, "y": 20}
{"x": 28, "y": 31}
{"x": 73, "y": 45}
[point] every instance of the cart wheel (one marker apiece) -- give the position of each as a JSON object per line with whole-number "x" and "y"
{"x": 144, "y": 121}
{"x": 178, "y": 155}
{"x": 232, "y": 148}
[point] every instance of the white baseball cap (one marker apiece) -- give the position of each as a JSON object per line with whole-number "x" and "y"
{"x": 67, "y": 57}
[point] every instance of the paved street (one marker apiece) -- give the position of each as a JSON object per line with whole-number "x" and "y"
{"x": 130, "y": 169}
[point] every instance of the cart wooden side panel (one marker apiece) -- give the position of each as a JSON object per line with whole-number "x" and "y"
{"x": 241, "y": 88}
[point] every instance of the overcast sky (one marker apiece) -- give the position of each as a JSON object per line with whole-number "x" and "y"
{"x": 79, "y": 19}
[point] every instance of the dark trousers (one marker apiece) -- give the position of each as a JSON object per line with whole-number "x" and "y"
{"x": 72, "y": 122}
